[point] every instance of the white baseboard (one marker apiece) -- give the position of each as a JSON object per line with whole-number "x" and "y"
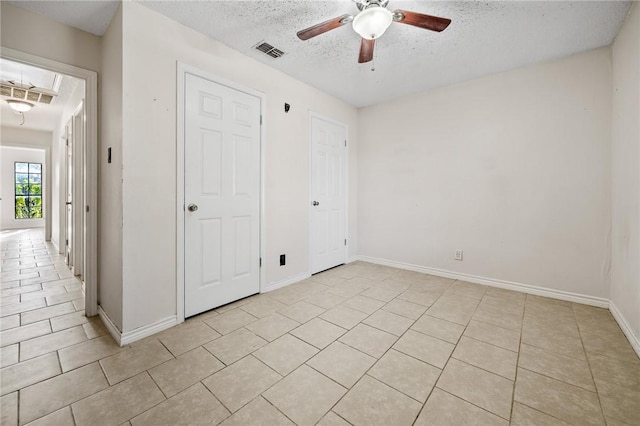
{"x": 626, "y": 329}
{"x": 111, "y": 327}
{"x": 137, "y": 334}
{"x": 55, "y": 244}
{"x": 283, "y": 283}
{"x": 508, "y": 285}
{"x": 297, "y": 278}
{"x": 148, "y": 330}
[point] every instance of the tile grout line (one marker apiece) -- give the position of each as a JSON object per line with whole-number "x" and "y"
{"x": 590, "y": 369}
{"x": 464, "y": 362}
{"x": 489, "y": 343}
{"x": 535, "y": 372}
{"x": 387, "y": 351}
{"x": 268, "y": 402}
{"x": 475, "y": 405}
{"x": 337, "y": 340}
{"x": 557, "y": 380}
{"x": 435, "y": 384}
{"x": 260, "y": 395}
{"x": 515, "y": 378}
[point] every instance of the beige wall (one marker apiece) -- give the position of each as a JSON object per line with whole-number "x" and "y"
{"x": 625, "y": 236}
{"x": 32, "y": 33}
{"x": 513, "y": 168}
{"x": 110, "y": 174}
{"x": 152, "y": 44}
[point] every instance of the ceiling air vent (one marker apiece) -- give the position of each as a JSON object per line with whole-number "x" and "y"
{"x": 268, "y": 49}
{"x": 26, "y": 93}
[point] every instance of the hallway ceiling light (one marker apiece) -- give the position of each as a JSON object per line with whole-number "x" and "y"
{"x": 19, "y": 106}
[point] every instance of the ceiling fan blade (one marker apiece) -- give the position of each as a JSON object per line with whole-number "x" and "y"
{"x": 427, "y": 22}
{"x": 366, "y": 50}
{"x": 323, "y": 27}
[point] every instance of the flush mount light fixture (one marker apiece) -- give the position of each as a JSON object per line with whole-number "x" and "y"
{"x": 372, "y": 22}
{"x": 19, "y": 106}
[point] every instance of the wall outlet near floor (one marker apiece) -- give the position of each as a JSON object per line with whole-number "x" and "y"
{"x": 458, "y": 254}
{"x": 283, "y": 259}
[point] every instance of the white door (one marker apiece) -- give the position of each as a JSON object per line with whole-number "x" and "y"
{"x": 69, "y": 195}
{"x": 222, "y": 195}
{"x": 74, "y": 187}
{"x": 77, "y": 187}
{"x": 328, "y": 194}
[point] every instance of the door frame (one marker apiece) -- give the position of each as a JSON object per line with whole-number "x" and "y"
{"x": 64, "y": 176}
{"x": 182, "y": 71}
{"x": 78, "y": 151}
{"x": 91, "y": 163}
{"x": 345, "y": 171}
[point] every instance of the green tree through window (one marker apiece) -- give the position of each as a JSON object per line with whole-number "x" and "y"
{"x": 28, "y": 181}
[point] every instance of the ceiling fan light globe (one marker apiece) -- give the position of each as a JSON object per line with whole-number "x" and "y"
{"x": 372, "y": 22}
{"x": 19, "y": 106}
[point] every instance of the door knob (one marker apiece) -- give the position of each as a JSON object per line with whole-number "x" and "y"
{"x": 315, "y": 203}
{"x": 192, "y": 207}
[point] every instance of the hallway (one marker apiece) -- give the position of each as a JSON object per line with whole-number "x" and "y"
{"x": 42, "y": 313}
{"x": 359, "y": 344}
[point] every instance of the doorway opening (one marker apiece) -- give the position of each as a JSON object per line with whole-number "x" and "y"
{"x": 62, "y": 103}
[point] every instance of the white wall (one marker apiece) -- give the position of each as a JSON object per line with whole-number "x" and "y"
{"x": 47, "y": 38}
{"x": 513, "y": 168}
{"x": 9, "y": 155}
{"x": 625, "y": 240}
{"x": 110, "y": 174}
{"x": 152, "y": 44}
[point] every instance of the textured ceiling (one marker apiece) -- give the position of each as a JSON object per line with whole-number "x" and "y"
{"x": 483, "y": 38}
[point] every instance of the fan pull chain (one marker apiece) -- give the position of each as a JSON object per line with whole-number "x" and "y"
{"x": 373, "y": 64}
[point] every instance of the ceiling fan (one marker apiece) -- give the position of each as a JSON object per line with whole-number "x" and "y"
{"x": 372, "y": 21}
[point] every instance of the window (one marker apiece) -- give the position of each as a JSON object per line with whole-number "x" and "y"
{"x": 28, "y": 177}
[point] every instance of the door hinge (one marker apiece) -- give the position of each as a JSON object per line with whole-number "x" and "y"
{"x": 261, "y": 119}
{"x": 87, "y": 209}
{"x": 261, "y": 262}
{"x": 345, "y": 142}
{"x": 345, "y": 241}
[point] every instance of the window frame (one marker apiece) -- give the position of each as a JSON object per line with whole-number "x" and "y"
{"x": 28, "y": 196}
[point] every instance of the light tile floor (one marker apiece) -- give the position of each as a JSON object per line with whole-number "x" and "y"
{"x": 359, "y": 344}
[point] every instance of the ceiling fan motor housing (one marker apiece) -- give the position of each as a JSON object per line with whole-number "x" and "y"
{"x": 363, "y": 4}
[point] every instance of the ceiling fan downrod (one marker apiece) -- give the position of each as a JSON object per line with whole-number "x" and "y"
{"x": 363, "y": 4}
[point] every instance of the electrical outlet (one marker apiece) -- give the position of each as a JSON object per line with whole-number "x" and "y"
{"x": 283, "y": 259}
{"x": 458, "y": 254}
